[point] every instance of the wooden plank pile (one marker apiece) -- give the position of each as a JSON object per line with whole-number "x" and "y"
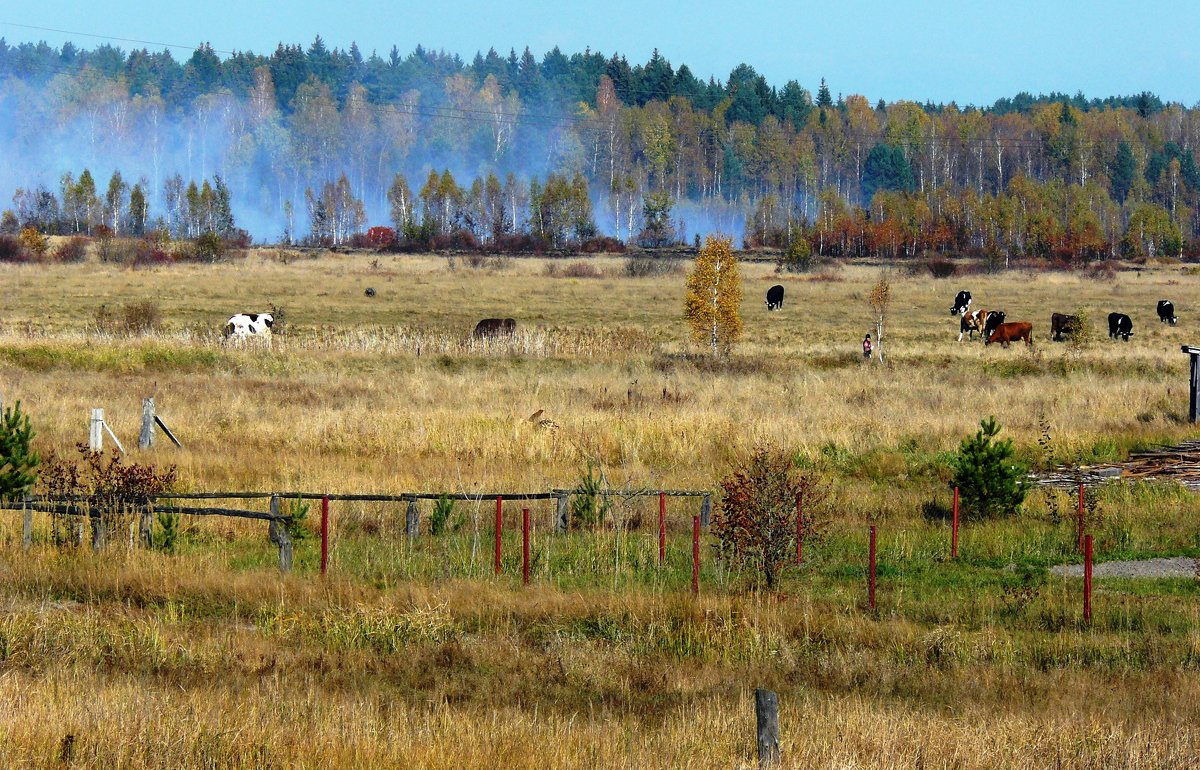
{"x": 1180, "y": 463}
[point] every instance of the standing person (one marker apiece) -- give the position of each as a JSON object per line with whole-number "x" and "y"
{"x": 867, "y": 347}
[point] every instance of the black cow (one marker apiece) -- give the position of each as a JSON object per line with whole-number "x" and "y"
{"x": 1119, "y": 325}
{"x": 962, "y": 301}
{"x": 775, "y": 298}
{"x": 1061, "y": 324}
{"x": 494, "y": 327}
{"x": 994, "y": 319}
{"x": 1166, "y": 312}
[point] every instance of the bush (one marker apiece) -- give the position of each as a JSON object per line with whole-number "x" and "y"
{"x": 381, "y": 237}
{"x": 297, "y": 513}
{"x": 443, "y": 509}
{"x": 18, "y": 463}
{"x": 797, "y": 258}
{"x": 168, "y": 531}
{"x": 755, "y": 524}
{"x": 940, "y": 267}
{"x": 11, "y": 249}
{"x": 589, "y": 505}
{"x": 208, "y": 248}
{"x": 130, "y": 319}
{"x": 34, "y": 242}
{"x": 602, "y": 245}
{"x": 581, "y": 270}
{"x": 990, "y": 481}
{"x": 71, "y": 250}
{"x": 643, "y": 266}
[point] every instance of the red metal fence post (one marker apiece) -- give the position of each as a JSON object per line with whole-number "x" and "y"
{"x": 499, "y": 529}
{"x": 954, "y": 529}
{"x": 1087, "y": 579}
{"x": 662, "y": 527}
{"x": 871, "y": 572}
{"x": 695, "y": 554}
{"x": 799, "y": 529}
{"x": 525, "y": 545}
{"x": 324, "y": 534}
{"x": 1081, "y": 516}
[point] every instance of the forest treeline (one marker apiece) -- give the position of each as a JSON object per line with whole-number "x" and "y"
{"x": 309, "y": 142}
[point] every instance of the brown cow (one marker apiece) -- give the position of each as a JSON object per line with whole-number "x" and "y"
{"x": 1006, "y": 333}
{"x": 494, "y": 327}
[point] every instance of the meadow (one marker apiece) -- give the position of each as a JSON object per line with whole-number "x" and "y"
{"x": 410, "y": 653}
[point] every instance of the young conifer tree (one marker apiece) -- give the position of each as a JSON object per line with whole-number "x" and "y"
{"x": 714, "y": 296}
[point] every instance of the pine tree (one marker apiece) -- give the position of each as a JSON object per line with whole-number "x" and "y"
{"x": 1121, "y": 172}
{"x": 990, "y": 482}
{"x": 714, "y": 296}
{"x": 18, "y": 463}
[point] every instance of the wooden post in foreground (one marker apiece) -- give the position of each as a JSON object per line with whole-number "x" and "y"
{"x": 324, "y": 534}
{"x": 146, "y": 436}
{"x": 871, "y": 571}
{"x": 525, "y": 546}
{"x": 766, "y": 713}
{"x": 499, "y": 530}
{"x": 1087, "y": 579}
{"x": 562, "y": 514}
{"x": 662, "y": 527}
{"x": 27, "y": 525}
{"x": 705, "y": 509}
{"x": 278, "y": 534}
{"x": 1193, "y": 384}
{"x": 696, "y": 554}
{"x": 412, "y": 520}
{"x": 954, "y": 529}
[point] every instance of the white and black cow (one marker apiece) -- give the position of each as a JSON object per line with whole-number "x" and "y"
{"x": 245, "y": 326}
{"x": 1119, "y": 325}
{"x": 775, "y": 298}
{"x": 1166, "y": 312}
{"x": 962, "y": 301}
{"x": 994, "y": 319}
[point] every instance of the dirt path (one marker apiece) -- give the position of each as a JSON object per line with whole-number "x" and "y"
{"x": 1179, "y": 566}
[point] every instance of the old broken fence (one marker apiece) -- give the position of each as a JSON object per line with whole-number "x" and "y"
{"x": 100, "y": 511}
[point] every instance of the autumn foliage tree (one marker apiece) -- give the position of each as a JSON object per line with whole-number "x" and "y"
{"x": 755, "y": 524}
{"x": 714, "y": 296}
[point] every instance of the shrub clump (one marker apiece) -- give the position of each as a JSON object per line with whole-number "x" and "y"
{"x": 755, "y": 524}
{"x": 130, "y": 319}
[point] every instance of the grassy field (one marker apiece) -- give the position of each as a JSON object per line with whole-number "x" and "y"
{"x": 412, "y": 654}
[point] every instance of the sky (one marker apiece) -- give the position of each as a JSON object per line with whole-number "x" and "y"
{"x": 939, "y": 50}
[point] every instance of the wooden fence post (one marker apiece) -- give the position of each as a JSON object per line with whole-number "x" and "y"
{"x": 662, "y": 527}
{"x": 706, "y": 509}
{"x": 412, "y": 520}
{"x": 954, "y": 529}
{"x": 766, "y": 713}
{"x": 799, "y": 529}
{"x": 1087, "y": 579}
{"x": 499, "y": 530}
{"x": 96, "y": 431}
{"x": 1080, "y": 544}
{"x": 99, "y": 530}
{"x": 146, "y": 436}
{"x": 562, "y": 513}
{"x": 324, "y": 534}
{"x": 146, "y": 527}
{"x": 278, "y": 534}
{"x": 871, "y": 571}
{"x": 525, "y": 546}
{"x": 27, "y": 524}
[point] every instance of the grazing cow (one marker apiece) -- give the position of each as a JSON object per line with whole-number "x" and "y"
{"x": 994, "y": 319}
{"x": 962, "y": 301}
{"x": 775, "y": 298}
{"x": 246, "y": 325}
{"x": 1119, "y": 325}
{"x": 490, "y": 328}
{"x": 1061, "y": 324}
{"x": 1166, "y": 312}
{"x": 1006, "y": 333}
{"x": 971, "y": 322}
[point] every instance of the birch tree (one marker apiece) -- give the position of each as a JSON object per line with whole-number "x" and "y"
{"x": 714, "y": 296}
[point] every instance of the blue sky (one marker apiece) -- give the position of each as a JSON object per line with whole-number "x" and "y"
{"x": 941, "y": 50}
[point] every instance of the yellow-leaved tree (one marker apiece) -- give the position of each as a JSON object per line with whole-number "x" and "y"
{"x": 714, "y": 296}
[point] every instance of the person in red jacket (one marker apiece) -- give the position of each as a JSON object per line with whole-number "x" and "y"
{"x": 867, "y": 347}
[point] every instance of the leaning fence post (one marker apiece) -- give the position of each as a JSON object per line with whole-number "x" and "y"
{"x": 278, "y": 534}
{"x": 412, "y": 520}
{"x": 766, "y": 713}
{"x": 706, "y": 509}
{"x": 27, "y": 525}
{"x": 146, "y": 437}
{"x": 96, "y": 431}
{"x": 562, "y": 516}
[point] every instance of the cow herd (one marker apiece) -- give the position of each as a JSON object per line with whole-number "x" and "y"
{"x": 993, "y": 328}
